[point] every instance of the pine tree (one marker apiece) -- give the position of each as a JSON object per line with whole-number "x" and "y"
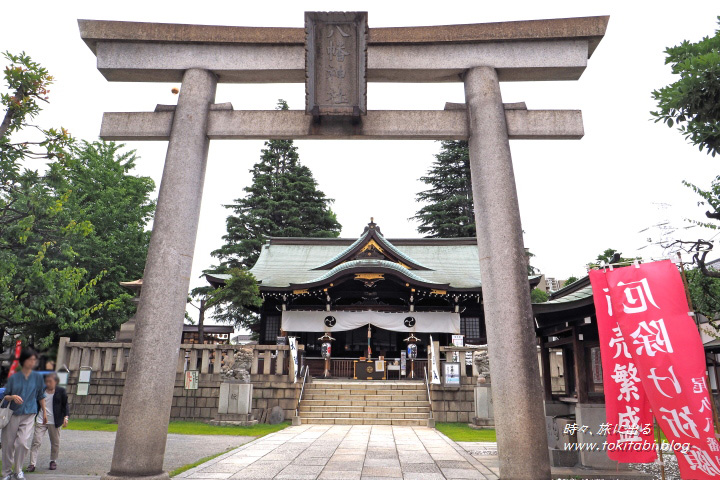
{"x": 282, "y": 201}
{"x": 449, "y": 211}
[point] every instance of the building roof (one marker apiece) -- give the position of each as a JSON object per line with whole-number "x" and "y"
{"x": 297, "y": 263}
{"x": 294, "y": 262}
{"x": 210, "y": 329}
{"x": 576, "y": 295}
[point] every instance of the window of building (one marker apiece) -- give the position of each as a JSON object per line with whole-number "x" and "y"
{"x": 470, "y": 327}
{"x": 272, "y": 329}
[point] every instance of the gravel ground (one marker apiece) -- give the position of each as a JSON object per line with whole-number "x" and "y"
{"x": 90, "y": 453}
{"x": 672, "y": 471}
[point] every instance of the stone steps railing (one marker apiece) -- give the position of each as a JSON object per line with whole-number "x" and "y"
{"x": 208, "y": 359}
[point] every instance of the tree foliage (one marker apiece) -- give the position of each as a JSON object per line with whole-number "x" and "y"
{"x": 538, "y": 296}
{"x": 705, "y": 295}
{"x": 571, "y": 279}
{"x": 232, "y": 301}
{"x": 449, "y": 210}
{"x": 57, "y": 240}
{"x": 610, "y": 255}
{"x": 692, "y": 102}
{"x": 282, "y": 201}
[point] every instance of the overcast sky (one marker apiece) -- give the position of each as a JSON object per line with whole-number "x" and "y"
{"x": 577, "y": 197}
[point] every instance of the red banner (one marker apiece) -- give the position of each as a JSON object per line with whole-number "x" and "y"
{"x": 16, "y": 362}
{"x": 629, "y": 424}
{"x": 651, "y": 310}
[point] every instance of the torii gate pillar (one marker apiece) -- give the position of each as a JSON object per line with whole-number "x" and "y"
{"x": 519, "y": 414}
{"x": 143, "y": 423}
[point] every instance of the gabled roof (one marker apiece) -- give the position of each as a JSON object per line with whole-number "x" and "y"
{"x": 372, "y": 244}
{"x": 291, "y": 263}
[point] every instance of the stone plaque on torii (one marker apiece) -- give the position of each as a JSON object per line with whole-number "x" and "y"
{"x": 479, "y": 55}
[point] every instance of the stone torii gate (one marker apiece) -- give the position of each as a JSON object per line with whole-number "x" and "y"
{"x": 479, "y": 55}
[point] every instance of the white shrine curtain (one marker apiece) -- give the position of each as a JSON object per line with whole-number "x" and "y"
{"x": 425, "y": 322}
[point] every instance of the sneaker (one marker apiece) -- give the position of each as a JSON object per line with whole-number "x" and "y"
{"x": 53, "y": 465}
{"x": 30, "y": 468}
{"x": 9, "y": 477}
{"x": 20, "y": 476}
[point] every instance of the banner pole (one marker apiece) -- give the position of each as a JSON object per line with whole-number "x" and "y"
{"x": 716, "y": 422}
{"x": 660, "y": 452}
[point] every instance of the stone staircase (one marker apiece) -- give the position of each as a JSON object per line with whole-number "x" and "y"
{"x": 355, "y": 402}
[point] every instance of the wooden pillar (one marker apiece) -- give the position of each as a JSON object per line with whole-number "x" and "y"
{"x": 581, "y": 386}
{"x": 566, "y": 370}
{"x": 546, "y": 373}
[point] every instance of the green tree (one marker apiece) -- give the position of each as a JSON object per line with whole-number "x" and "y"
{"x": 538, "y": 296}
{"x": 101, "y": 191}
{"x": 42, "y": 292}
{"x": 705, "y": 295}
{"x": 282, "y": 201}
{"x": 572, "y": 279}
{"x": 610, "y": 255}
{"x": 231, "y": 302}
{"x": 449, "y": 210}
{"x": 692, "y": 102}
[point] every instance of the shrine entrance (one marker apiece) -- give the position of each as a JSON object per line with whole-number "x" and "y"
{"x": 335, "y": 55}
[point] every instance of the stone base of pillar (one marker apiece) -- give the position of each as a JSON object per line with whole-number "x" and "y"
{"x": 431, "y": 423}
{"x": 162, "y": 476}
{"x": 236, "y": 419}
{"x": 296, "y": 421}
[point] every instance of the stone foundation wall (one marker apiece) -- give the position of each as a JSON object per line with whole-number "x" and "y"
{"x": 272, "y": 390}
{"x": 456, "y": 404}
{"x": 106, "y": 389}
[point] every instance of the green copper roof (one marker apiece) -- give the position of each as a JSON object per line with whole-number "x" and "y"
{"x": 368, "y": 234}
{"x": 581, "y": 294}
{"x": 286, "y": 261}
{"x": 370, "y": 264}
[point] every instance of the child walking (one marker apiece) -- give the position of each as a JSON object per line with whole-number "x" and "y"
{"x": 57, "y": 417}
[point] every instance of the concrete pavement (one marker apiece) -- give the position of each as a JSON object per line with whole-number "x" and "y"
{"x": 345, "y": 452}
{"x": 88, "y": 455}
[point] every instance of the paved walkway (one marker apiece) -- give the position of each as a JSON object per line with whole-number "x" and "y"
{"x": 344, "y": 452}
{"x": 88, "y": 454}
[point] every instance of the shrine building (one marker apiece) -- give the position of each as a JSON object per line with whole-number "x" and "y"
{"x": 370, "y": 295}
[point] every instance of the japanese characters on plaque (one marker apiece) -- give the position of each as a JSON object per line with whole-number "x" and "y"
{"x": 336, "y": 63}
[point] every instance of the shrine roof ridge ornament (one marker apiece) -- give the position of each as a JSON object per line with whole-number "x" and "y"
{"x": 529, "y": 50}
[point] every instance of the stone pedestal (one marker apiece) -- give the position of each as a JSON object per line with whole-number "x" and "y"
{"x": 484, "y": 415}
{"x": 558, "y": 440}
{"x": 235, "y": 404}
{"x": 592, "y": 415}
{"x": 512, "y": 347}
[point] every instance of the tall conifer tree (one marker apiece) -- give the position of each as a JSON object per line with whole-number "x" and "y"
{"x": 282, "y": 201}
{"x": 449, "y": 211}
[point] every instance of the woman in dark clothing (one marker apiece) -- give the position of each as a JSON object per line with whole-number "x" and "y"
{"x": 57, "y": 417}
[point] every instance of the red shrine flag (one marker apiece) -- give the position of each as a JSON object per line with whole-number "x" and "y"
{"x": 651, "y": 310}
{"x": 629, "y": 421}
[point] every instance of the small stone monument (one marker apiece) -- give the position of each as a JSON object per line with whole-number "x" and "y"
{"x": 277, "y": 415}
{"x": 236, "y": 391}
{"x": 483, "y": 390}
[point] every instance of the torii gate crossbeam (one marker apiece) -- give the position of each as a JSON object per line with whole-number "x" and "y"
{"x": 480, "y": 55}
